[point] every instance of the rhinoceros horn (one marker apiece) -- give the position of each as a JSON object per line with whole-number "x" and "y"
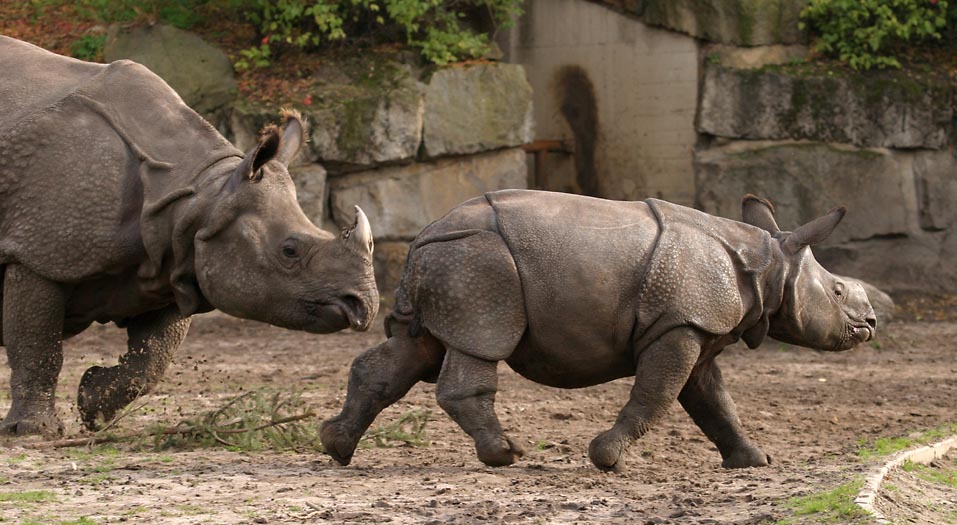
{"x": 359, "y": 235}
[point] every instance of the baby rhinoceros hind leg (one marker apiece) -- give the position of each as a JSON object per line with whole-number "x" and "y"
{"x": 468, "y": 294}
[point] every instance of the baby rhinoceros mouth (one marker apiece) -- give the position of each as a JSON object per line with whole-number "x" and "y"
{"x": 857, "y": 332}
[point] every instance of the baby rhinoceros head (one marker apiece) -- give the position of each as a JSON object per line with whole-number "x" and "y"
{"x": 819, "y": 309}
{"x": 263, "y": 259}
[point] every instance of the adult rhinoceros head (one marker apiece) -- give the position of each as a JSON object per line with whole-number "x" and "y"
{"x": 819, "y": 310}
{"x": 264, "y": 260}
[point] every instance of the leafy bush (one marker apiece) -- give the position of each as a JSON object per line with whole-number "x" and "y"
{"x": 88, "y": 47}
{"x": 863, "y": 33}
{"x": 179, "y": 13}
{"x": 439, "y": 29}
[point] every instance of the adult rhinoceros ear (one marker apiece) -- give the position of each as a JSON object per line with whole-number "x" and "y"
{"x": 759, "y": 212}
{"x": 814, "y": 231}
{"x": 294, "y": 135}
{"x": 265, "y": 150}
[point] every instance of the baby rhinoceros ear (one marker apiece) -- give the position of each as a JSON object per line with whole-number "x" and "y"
{"x": 294, "y": 135}
{"x": 759, "y": 212}
{"x": 814, "y": 231}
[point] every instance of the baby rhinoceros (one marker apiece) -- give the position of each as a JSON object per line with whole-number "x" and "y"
{"x": 574, "y": 291}
{"x": 120, "y": 204}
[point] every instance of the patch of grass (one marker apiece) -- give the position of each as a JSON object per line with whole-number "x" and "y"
{"x": 80, "y": 521}
{"x": 926, "y": 473}
{"x": 831, "y": 506}
{"x": 133, "y": 511}
{"x": 191, "y": 510}
{"x": 89, "y": 453}
{"x": 16, "y": 458}
{"x": 886, "y": 446}
{"x": 28, "y": 496}
{"x": 97, "y": 479}
{"x": 408, "y": 430}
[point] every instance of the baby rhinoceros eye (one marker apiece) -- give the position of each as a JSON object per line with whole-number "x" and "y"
{"x": 839, "y": 290}
{"x": 290, "y": 251}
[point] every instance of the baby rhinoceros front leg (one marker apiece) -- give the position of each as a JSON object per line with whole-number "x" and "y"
{"x": 663, "y": 369}
{"x": 153, "y": 339}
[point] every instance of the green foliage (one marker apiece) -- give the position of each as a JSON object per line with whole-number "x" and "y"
{"x": 439, "y": 29}
{"x": 29, "y": 496}
{"x": 180, "y": 13}
{"x": 886, "y": 446}
{"x": 938, "y": 476}
{"x": 88, "y": 47}
{"x": 863, "y": 33}
{"x": 831, "y": 506}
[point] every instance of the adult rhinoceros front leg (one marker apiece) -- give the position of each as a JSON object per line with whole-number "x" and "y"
{"x": 709, "y": 404}
{"x": 33, "y": 310}
{"x": 663, "y": 369}
{"x": 153, "y": 339}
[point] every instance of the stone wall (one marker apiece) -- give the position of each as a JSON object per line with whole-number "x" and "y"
{"x": 623, "y": 92}
{"x": 403, "y": 143}
{"x": 702, "y": 101}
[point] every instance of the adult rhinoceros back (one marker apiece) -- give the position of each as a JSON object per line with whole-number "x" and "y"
{"x": 70, "y": 132}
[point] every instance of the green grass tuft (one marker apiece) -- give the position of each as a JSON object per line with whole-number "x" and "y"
{"x": 932, "y": 475}
{"x": 29, "y": 496}
{"x": 831, "y": 506}
{"x": 886, "y": 446}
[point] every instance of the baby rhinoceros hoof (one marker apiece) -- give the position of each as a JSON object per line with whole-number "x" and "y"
{"x": 607, "y": 451}
{"x": 500, "y": 452}
{"x": 336, "y": 441}
{"x": 745, "y": 457}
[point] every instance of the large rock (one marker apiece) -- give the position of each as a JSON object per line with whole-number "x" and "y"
{"x": 310, "y": 180}
{"x": 739, "y": 22}
{"x": 804, "y": 180}
{"x": 389, "y": 261}
{"x": 887, "y": 109}
{"x": 402, "y": 200}
{"x": 199, "y": 72}
{"x": 375, "y": 127}
{"x": 935, "y": 174}
{"x": 477, "y": 108}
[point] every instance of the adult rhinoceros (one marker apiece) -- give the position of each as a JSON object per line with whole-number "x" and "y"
{"x": 574, "y": 291}
{"x": 119, "y": 203}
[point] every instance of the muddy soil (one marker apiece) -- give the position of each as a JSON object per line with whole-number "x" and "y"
{"x": 807, "y": 409}
{"x": 921, "y": 494}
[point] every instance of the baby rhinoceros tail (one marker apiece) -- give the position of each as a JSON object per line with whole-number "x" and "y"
{"x": 465, "y": 290}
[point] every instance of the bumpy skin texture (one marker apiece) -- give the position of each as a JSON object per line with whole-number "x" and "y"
{"x": 573, "y": 291}
{"x": 118, "y": 203}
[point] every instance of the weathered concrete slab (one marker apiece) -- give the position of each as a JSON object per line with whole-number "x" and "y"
{"x": 887, "y": 109}
{"x": 804, "y": 180}
{"x": 477, "y": 108}
{"x": 402, "y": 200}
{"x": 935, "y": 174}
{"x": 310, "y": 181}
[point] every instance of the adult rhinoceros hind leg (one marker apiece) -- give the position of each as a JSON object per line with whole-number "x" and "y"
{"x": 33, "y": 310}
{"x": 153, "y": 338}
{"x": 379, "y": 377}
{"x": 662, "y": 370}
{"x": 466, "y": 391}
{"x": 709, "y": 404}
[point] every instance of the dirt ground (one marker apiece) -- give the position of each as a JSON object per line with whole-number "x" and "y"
{"x": 807, "y": 409}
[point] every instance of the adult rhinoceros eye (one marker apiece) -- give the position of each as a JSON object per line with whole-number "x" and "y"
{"x": 839, "y": 290}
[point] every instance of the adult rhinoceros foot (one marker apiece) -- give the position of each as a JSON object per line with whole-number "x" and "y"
{"x": 18, "y": 424}
{"x": 747, "y": 456}
{"x": 97, "y": 398}
{"x": 336, "y": 441}
{"x": 606, "y": 451}
{"x": 501, "y": 453}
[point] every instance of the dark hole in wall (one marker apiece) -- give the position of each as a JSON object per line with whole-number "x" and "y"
{"x": 580, "y": 109}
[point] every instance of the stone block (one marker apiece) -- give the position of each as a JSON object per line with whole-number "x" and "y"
{"x": 389, "y": 261}
{"x": 885, "y": 109}
{"x": 200, "y": 73}
{"x": 935, "y": 174}
{"x": 739, "y": 22}
{"x": 804, "y": 180}
{"x": 401, "y": 200}
{"x": 477, "y": 108}
{"x": 310, "y": 180}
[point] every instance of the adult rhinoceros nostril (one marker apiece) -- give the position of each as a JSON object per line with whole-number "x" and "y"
{"x": 872, "y": 322}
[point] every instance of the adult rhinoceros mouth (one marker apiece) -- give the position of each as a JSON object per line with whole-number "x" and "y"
{"x": 854, "y": 334}
{"x": 349, "y": 308}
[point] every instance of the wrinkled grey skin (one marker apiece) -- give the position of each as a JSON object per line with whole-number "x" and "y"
{"x": 572, "y": 291}
{"x": 119, "y": 203}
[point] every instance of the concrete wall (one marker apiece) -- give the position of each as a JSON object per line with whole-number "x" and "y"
{"x": 644, "y": 82}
